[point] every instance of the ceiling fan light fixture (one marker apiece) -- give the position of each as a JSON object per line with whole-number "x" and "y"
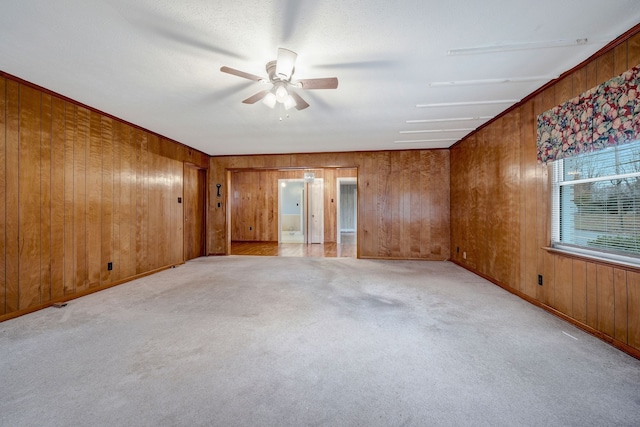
{"x": 270, "y": 100}
{"x": 289, "y": 103}
{"x": 281, "y": 93}
{"x": 280, "y": 72}
{"x": 285, "y": 63}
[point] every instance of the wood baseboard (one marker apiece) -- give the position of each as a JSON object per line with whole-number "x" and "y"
{"x": 631, "y": 351}
{"x": 66, "y": 298}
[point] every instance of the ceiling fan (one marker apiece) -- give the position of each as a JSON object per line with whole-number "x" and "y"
{"x": 280, "y": 72}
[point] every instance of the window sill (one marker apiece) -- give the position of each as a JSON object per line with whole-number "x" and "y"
{"x": 599, "y": 260}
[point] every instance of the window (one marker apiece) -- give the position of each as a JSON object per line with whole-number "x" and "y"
{"x": 596, "y": 203}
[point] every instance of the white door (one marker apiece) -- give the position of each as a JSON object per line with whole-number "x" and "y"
{"x": 316, "y": 211}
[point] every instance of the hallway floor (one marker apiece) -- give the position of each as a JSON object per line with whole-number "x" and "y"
{"x": 345, "y": 249}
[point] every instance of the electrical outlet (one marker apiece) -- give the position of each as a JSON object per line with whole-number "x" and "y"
{"x": 464, "y": 255}
{"x": 250, "y": 228}
{"x": 457, "y": 249}
{"x": 109, "y": 266}
{"x": 540, "y": 279}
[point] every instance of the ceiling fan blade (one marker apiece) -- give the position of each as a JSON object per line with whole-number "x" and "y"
{"x": 301, "y": 104}
{"x": 326, "y": 83}
{"x": 241, "y": 74}
{"x": 255, "y": 98}
{"x": 285, "y": 62}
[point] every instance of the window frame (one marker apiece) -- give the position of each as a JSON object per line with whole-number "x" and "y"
{"x": 556, "y": 243}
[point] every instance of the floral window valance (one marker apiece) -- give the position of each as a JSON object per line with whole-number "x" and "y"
{"x": 606, "y": 115}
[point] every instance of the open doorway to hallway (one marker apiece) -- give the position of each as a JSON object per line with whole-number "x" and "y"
{"x": 195, "y": 202}
{"x": 300, "y": 211}
{"x": 275, "y": 212}
{"x": 347, "y": 211}
{"x": 292, "y": 223}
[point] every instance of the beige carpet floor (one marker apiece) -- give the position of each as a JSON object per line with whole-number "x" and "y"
{"x": 263, "y": 341}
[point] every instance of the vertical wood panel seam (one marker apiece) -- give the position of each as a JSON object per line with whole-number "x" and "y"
{"x": 555, "y": 280}
{"x": 4, "y": 222}
{"x": 596, "y": 297}
{"x": 115, "y": 144}
{"x": 66, "y": 255}
{"x": 64, "y": 198}
{"x": 626, "y": 291}
{"x": 40, "y": 185}
{"x": 87, "y": 158}
{"x": 572, "y": 284}
{"x": 102, "y": 199}
{"x": 626, "y": 309}
{"x": 51, "y": 142}
{"x": 615, "y": 306}
{"x": 613, "y": 273}
{"x": 19, "y": 116}
{"x": 73, "y": 202}
{"x": 113, "y": 192}
{"x": 6, "y": 98}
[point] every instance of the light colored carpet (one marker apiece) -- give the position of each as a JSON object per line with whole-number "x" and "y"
{"x": 262, "y": 341}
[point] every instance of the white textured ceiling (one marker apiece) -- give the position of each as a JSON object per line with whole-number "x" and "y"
{"x": 156, "y": 63}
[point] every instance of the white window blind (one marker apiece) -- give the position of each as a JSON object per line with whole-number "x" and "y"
{"x": 596, "y": 203}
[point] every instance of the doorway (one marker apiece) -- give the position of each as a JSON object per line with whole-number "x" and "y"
{"x": 194, "y": 194}
{"x": 300, "y": 211}
{"x": 291, "y": 221}
{"x": 257, "y": 223}
{"x": 347, "y": 210}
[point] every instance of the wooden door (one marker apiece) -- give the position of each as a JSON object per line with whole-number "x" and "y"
{"x": 194, "y": 212}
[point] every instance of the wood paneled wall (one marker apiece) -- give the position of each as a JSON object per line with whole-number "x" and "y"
{"x": 500, "y": 215}
{"x": 81, "y": 190}
{"x": 403, "y": 199}
{"x": 254, "y": 202}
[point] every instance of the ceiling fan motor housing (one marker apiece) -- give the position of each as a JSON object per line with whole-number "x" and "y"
{"x": 271, "y": 72}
